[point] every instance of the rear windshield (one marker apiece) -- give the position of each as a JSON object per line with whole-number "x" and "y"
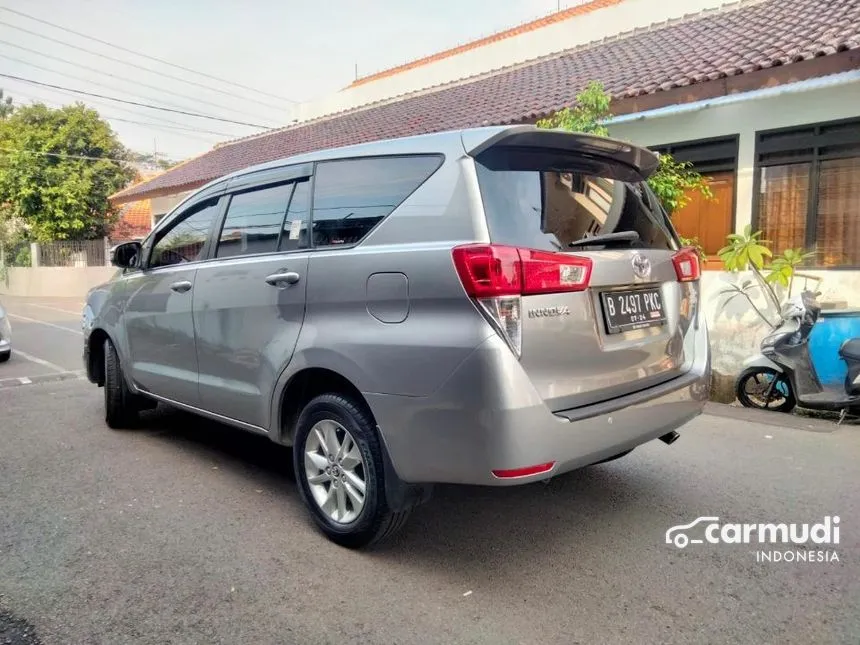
{"x": 548, "y": 210}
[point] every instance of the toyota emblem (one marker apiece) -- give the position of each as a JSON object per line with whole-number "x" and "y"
{"x": 641, "y": 267}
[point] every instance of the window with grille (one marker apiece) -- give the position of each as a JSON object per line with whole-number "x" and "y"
{"x": 808, "y": 191}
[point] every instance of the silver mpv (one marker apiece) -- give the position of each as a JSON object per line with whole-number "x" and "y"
{"x": 490, "y": 306}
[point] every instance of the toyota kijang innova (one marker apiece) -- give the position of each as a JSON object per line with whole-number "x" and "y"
{"x": 493, "y": 306}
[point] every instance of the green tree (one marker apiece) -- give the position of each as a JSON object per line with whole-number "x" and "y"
{"x": 57, "y": 169}
{"x": 152, "y": 160}
{"x": 6, "y": 106}
{"x": 587, "y": 115}
{"x": 671, "y": 182}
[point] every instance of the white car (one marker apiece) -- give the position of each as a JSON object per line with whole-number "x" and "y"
{"x": 5, "y": 336}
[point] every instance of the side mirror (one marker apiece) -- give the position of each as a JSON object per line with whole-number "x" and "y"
{"x": 125, "y": 256}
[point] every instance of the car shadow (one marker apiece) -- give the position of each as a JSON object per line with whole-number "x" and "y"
{"x": 469, "y": 530}
{"x": 236, "y": 450}
{"x": 488, "y": 533}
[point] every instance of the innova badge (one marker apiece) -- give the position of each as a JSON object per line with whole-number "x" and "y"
{"x": 641, "y": 267}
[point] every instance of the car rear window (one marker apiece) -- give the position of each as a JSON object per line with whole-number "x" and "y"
{"x": 549, "y": 209}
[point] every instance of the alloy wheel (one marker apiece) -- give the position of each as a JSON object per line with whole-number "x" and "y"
{"x": 335, "y": 471}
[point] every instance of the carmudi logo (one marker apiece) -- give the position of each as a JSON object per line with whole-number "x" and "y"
{"x": 710, "y": 530}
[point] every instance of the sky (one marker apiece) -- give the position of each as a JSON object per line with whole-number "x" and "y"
{"x": 280, "y": 51}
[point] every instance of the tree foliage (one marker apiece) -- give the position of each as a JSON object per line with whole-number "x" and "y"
{"x": 587, "y": 115}
{"x": 6, "y": 106}
{"x": 151, "y": 159}
{"x": 747, "y": 251}
{"x": 674, "y": 181}
{"x": 57, "y": 169}
{"x": 671, "y": 182}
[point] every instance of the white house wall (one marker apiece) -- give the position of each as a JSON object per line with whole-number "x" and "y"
{"x": 550, "y": 39}
{"x": 745, "y": 119}
{"x": 736, "y": 331}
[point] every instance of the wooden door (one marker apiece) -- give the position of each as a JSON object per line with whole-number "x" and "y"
{"x": 709, "y": 220}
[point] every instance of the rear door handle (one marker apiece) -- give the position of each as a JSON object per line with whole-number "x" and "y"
{"x": 287, "y": 277}
{"x": 181, "y": 287}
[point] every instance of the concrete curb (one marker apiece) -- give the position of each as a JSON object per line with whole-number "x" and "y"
{"x": 778, "y": 419}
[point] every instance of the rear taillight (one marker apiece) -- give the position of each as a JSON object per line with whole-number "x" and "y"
{"x": 686, "y": 263}
{"x": 497, "y": 276}
{"x": 489, "y": 270}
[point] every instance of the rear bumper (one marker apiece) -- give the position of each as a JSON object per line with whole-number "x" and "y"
{"x": 488, "y": 417}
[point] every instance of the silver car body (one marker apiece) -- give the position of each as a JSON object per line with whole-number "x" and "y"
{"x": 389, "y": 318}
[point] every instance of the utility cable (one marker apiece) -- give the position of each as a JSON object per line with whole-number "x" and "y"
{"x": 146, "y": 105}
{"x": 65, "y": 156}
{"x": 153, "y": 58}
{"x": 135, "y": 65}
{"x": 158, "y": 121}
{"x": 121, "y": 78}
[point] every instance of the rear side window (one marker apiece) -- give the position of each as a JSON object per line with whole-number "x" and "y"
{"x": 549, "y": 209}
{"x": 254, "y": 221}
{"x": 295, "y": 234}
{"x": 351, "y": 196}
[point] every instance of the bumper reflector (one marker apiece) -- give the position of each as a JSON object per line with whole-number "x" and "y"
{"x": 524, "y": 472}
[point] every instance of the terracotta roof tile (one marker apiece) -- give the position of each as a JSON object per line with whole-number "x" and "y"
{"x": 135, "y": 220}
{"x": 712, "y": 45}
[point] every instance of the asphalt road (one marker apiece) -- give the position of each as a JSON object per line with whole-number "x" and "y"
{"x": 188, "y": 532}
{"x": 46, "y": 338}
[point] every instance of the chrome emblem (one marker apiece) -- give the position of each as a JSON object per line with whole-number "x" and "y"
{"x": 547, "y": 312}
{"x": 641, "y": 267}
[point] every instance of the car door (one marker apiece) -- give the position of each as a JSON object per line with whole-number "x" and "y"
{"x": 249, "y": 301}
{"x": 158, "y": 319}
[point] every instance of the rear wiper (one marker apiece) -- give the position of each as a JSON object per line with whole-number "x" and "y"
{"x": 622, "y": 237}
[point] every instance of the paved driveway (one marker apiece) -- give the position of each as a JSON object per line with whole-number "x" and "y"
{"x": 188, "y": 532}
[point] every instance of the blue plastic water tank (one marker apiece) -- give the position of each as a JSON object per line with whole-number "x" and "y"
{"x": 831, "y": 330}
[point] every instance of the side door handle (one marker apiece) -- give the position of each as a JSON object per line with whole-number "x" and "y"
{"x": 282, "y": 279}
{"x": 181, "y": 287}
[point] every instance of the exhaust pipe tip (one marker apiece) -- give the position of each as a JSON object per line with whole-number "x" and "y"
{"x": 670, "y": 437}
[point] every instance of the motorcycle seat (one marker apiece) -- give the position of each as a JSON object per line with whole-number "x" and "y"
{"x": 850, "y": 349}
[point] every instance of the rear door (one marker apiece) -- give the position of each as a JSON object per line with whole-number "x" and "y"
{"x": 628, "y": 329}
{"x": 249, "y": 302}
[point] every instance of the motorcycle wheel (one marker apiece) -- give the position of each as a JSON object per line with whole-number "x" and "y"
{"x": 752, "y": 390}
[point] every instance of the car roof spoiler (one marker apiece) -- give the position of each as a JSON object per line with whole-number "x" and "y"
{"x": 526, "y": 147}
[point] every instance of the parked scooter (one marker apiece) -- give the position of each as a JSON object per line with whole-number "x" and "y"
{"x": 783, "y": 375}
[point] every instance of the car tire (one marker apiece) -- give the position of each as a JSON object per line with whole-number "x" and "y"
{"x": 121, "y": 410}
{"x": 5, "y": 356}
{"x": 330, "y": 497}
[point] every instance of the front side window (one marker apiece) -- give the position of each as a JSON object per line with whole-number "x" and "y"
{"x": 549, "y": 209}
{"x": 351, "y": 196}
{"x": 254, "y": 220}
{"x": 185, "y": 240}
